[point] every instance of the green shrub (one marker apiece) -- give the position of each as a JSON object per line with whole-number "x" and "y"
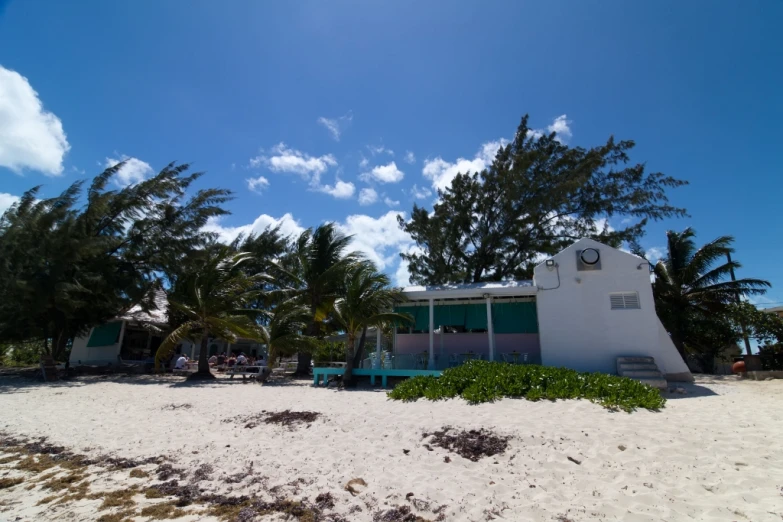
{"x": 483, "y": 381}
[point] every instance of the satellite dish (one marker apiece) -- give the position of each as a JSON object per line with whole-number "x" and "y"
{"x": 589, "y": 256}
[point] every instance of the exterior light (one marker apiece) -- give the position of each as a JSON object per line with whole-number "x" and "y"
{"x": 550, "y": 263}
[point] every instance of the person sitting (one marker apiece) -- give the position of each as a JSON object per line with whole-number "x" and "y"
{"x": 231, "y": 362}
{"x": 213, "y": 360}
{"x": 221, "y": 359}
{"x": 241, "y": 360}
{"x": 261, "y": 361}
{"x": 182, "y": 363}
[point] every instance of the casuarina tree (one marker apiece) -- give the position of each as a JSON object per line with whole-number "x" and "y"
{"x": 537, "y": 196}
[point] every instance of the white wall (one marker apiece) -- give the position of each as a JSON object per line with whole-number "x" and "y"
{"x": 579, "y": 330}
{"x": 95, "y": 355}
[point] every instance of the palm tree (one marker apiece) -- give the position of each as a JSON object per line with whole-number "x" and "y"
{"x": 317, "y": 267}
{"x": 283, "y": 334}
{"x": 368, "y": 301}
{"x": 211, "y": 301}
{"x": 693, "y": 285}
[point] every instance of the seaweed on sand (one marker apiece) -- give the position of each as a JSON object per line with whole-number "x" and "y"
{"x": 472, "y": 445}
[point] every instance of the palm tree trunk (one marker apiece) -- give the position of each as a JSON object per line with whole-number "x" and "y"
{"x": 203, "y": 357}
{"x": 348, "y": 374}
{"x": 359, "y": 355}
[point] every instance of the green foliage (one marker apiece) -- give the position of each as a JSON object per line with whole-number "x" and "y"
{"x": 328, "y": 351}
{"x": 696, "y": 300}
{"x": 536, "y": 197}
{"x": 771, "y": 357}
{"x": 21, "y": 353}
{"x": 78, "y": 259}
{"x": 483, "y": 381}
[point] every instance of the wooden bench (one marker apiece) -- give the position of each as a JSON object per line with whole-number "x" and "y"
{"x": 383, "y": 373}
{"x": 254, "y": 372}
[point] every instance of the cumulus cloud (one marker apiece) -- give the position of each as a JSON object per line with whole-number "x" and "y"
{"x": 30, "y": 137}
{"x": 420, "y": 192}
{"x": 6, "y": 200}
{"x": 441, "y": 172}
{"x": 655, "y": 253}
{"x": 336, "y": 126}
{"x": 226, "y": 234}
{"x": 364, "y": 163}
{"x": 560, "y": 126}
{"x": 285, "y": 159}
{"x": 259, "y": 184}
{"x": 134, "y": 170}
{"x": 384, "y": 174}
{"x": 391, "y": 202}
{"x": 367, "y": 196}
{"x": 340, "y": 189}
{"x": 380, "y": 239}
{"x": 410, "y": 157}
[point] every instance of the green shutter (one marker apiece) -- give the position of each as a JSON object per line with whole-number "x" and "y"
{"x": 476, "y": 317}
{"x": 105, "y": 334}
{"x": 515, "y": 317}
{"x": 449, "y": 315}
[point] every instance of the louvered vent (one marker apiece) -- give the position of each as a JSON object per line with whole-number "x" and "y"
{"x": 624, "y": 301}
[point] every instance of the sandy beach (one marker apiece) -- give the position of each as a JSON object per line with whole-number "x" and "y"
{"x": 712, "y": 454}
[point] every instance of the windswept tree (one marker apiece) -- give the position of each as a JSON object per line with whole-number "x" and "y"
{"x": 76, "y": 260}
{"x": 316, "y": 267}
{"x": 283, "y": 333}
{"x": 213, "y": 299}
{"x": 695, "y": 297}
{"x": 537, "y": 196}
{"x": 368, "y": 300}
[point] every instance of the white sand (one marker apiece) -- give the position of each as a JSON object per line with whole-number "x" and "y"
{"x": 713, "y": 453}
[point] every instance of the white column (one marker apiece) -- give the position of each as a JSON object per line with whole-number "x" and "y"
{"x": 490, "y": 330}
{"x": 378, "y": 342}
{"x": 431, "y": 364}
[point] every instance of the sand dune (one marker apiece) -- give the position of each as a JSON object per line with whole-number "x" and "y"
{"x": 712, "y": 454}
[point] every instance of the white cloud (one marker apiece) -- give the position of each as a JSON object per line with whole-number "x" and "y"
{"x": 441, "y": 172}
{"x": 340, "y": 189}
{"x": 655, "y": 253}
{"x": 380, "y": 239}
{"x": 402, "y": 276}
{"x": 380, "y": 150}
{"x": 410, "y": 157}
{"x": 336, "y": 126}
{"x": 6, "y": 200}
{"x": 288, "y": 160}
{"x": 134, "y": 170}
{"x": 561, "y": 127}
{"x": 30, "y": 137}
{"x": 420, "y": 192}
{"x": 384, "y": 173}
{"x": 367, "y": 196}
{"x": 364, "y": 163}
{"x": 288, "y": 226}
{"x": 391, "y": 202}
{"x": 259, "y": 184}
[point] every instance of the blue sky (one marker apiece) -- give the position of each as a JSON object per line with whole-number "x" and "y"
{"x": 350, "y": 111}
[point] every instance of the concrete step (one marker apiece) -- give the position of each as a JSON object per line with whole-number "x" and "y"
{"x": 636, "y": 366}
{"x": 635, "y": 360}
{"x": 642, "y": 374}
{"x": 661, "y": 384}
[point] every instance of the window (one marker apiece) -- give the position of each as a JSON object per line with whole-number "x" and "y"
{"x": 624, "y": 301}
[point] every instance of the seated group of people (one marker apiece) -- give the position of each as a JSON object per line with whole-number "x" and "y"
{"x": 240, "y": 360}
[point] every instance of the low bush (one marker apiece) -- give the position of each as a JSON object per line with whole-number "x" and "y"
{"x": 483, "y": 381}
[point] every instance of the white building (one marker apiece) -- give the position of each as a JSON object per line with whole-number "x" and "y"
{"x": 587, "y": 306}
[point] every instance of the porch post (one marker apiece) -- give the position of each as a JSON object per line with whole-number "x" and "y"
{"x": 431, "y": 364}
{"x": 120, "y": 340}
{"x": 490, "y": 329}
{"x": 378, "y": 345}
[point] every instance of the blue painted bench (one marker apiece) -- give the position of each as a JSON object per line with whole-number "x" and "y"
{"x": 373, "y": 373}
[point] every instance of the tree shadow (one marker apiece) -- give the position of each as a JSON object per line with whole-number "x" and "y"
{"x": 688, "y": 390}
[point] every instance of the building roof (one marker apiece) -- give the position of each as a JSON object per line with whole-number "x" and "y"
{"x": 157, "y": 314}
{"x": 463, "y": 291}
{"x": 774, "y": 309}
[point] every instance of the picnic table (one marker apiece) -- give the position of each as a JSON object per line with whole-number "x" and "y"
{"x": 259, "y": 373}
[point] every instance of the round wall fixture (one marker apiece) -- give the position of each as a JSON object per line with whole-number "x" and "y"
{"x": 589, "y": 256}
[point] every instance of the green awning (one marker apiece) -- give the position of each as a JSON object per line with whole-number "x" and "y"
{"x": 515, "y": 317}
{"x": 105, "y": 334}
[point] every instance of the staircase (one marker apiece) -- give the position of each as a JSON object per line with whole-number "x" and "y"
{"x": 642, "y": 369}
